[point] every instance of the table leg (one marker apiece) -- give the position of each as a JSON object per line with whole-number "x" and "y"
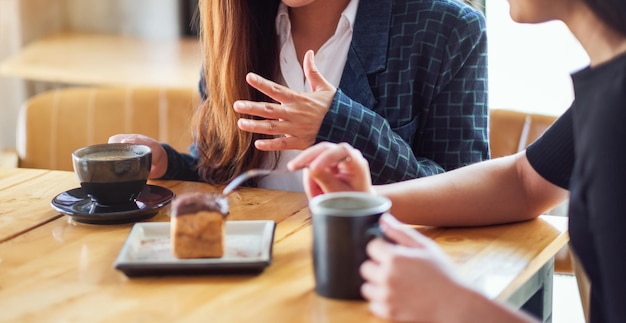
{"x": 535, "y": 296}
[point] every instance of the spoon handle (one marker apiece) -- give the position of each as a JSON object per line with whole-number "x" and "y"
{"x": 244, "y": 177}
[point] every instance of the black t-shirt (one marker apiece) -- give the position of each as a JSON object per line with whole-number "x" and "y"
{"x": 585, "y": 152}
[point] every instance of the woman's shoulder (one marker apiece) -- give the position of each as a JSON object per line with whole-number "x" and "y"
{"x": 432, "y": 18}
{"x": 443, "y": 9}
{"x": 429, "y": 18}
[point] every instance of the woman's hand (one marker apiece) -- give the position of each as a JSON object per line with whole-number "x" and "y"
{"x": 411, "y": 281}
{"x": 159, "y": 156}
{"x": 297, "y": 117}
{"x": 333, "y": 167}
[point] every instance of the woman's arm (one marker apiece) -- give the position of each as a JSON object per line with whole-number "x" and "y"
{"x": 181, "y": 166}
{"x": 496, "y": 191}
{"x": 167, "y": 163}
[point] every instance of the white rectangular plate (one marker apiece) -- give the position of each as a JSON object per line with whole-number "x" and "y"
{"x": 148, "y": 251}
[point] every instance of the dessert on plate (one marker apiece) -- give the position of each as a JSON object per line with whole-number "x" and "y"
{"x": 197, "y": 225}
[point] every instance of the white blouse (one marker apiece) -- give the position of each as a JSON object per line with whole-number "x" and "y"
{"x": 330, "y": 60}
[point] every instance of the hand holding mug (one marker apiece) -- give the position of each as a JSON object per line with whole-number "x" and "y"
{"x": 159, "y": 156}
{"x": 411, "y": 280}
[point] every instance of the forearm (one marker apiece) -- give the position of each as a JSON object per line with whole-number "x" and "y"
{"x": 180, "y": 166}
{"x": 496, "y": 191}
{"x": 470, "y": 306}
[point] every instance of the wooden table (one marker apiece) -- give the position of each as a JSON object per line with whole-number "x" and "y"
{"x": 101, "y": 59}
{"x": 53, "y": 269}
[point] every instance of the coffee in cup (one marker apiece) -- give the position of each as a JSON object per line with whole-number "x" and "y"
{"x": 112, "y": 174}
{"x": 343, "y": 224}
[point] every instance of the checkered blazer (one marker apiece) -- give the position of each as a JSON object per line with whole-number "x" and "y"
{"x": 413, "y": 94}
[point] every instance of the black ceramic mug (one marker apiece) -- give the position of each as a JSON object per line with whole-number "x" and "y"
{"x": 342, "y": 226}
{"x": 112, "y": 174}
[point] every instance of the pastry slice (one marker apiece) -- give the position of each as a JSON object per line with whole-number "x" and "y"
{"x": 197, "y": 225}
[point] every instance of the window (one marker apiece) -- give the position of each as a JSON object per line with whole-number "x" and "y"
{"x": 530, "y": 65}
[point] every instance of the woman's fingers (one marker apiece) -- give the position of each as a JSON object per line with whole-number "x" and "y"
{"x": 306, "y": 157}
{"x": 333, "y": 168}
{"x": 265, "y": 110}
{"x": 292, "y": 114}
{"x": 273, "y": 90}
{"x": 324, "y": 154}
{"x": 159, "y": 156}
{"x": 401, "y": 233}
{"x": 317, "y": 81}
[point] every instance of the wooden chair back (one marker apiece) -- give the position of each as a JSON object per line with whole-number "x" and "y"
{"x": 512, "y": 131}
{"x": 53, "y": 124}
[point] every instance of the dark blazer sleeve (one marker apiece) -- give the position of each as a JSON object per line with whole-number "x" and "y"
{"x": 181, "y": 166}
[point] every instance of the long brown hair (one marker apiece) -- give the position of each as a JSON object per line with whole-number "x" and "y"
{"x": 237, "y": 37}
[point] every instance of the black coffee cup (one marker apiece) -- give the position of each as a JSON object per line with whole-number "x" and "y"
{"x": 112, "y": 174}
{"x": 343, "y": 224}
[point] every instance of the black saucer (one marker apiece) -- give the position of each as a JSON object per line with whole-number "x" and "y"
{"x": 81, "y": 208}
